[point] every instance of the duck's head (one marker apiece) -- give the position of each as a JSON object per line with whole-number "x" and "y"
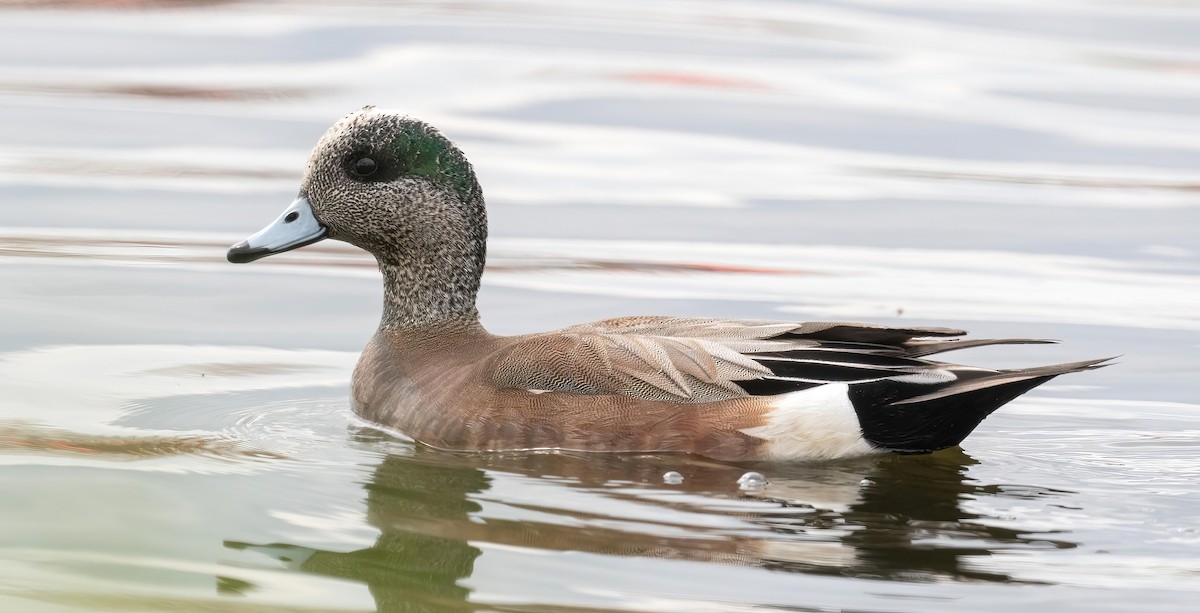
{"x": 397, "y": 188}
{"x": 380, "y": 181}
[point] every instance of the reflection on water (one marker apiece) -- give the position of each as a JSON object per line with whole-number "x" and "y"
{"x": 823, "y": 282}
{"x": 421, "y": 553}
{"x": 17, "y": 437}
{"x": 895, "y": 518}
{"x": 151, "y": 91}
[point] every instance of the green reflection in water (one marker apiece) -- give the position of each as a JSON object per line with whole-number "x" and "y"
{"x": 406, "y": 569}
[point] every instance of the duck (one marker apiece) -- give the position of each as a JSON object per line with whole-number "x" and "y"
{"x": 726, "y": 389}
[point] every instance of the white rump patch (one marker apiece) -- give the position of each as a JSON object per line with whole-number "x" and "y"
{"x": 818, "y": 423}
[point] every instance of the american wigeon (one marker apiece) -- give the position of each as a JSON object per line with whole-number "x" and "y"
{"x": 722, "y": 388}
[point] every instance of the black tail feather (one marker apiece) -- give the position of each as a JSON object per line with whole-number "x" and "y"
{"x": 928, "y": 425}
{"x": 908, "y": 418}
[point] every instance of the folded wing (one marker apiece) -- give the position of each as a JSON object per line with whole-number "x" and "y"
{"x": 694, "y": 360}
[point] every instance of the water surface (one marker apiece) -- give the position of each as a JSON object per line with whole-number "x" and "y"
{"x": 175, "y": 431}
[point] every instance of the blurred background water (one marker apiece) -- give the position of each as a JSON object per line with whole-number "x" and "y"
{"x": 175, "y": 431}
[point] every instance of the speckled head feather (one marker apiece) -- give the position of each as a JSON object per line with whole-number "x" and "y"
{"x": 396, "y": 187}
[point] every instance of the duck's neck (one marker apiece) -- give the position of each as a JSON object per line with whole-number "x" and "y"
{"x": 436, "y": 290}
{"x": 415, "y": 298}
{"x": 432, "y": 263}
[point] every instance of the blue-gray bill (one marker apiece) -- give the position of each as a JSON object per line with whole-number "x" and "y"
{"x": 294, "y": 228}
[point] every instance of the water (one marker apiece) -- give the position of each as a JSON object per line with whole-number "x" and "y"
{"x": 175, "y": 432}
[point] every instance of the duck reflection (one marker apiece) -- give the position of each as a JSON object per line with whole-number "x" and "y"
{"x": 412, "y": 565}
{"x": 907, "y": 523}
{"x": 894, "y": 517}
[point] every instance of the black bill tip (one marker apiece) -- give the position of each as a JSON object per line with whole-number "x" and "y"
{"x": 242, "y": 253}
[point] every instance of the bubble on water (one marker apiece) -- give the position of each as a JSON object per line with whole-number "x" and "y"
{"x": 752, "y": 481}
{"x": 865, "y": 482}
{"x": 672, "y": 478}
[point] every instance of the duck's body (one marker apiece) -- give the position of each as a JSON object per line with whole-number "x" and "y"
{"x": 727, "y": 389}
{"x": 447, "y": 395}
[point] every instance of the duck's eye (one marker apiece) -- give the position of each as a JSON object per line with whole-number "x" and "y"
{"x": 364, "y": 167}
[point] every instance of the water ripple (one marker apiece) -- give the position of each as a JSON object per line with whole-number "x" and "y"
{"x": 839, "y": 282}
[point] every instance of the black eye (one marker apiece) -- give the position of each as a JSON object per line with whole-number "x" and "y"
{"x": 364, "y": 167}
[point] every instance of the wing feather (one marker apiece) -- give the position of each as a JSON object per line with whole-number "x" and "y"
{"x": 693, "y": 360}
{"x": 686, "y": 359}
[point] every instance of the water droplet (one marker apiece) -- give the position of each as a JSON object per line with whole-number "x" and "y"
{"x": 672, "y": 478}
{"x": 865, "y": 482}
{"x": 752, "y": 481}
